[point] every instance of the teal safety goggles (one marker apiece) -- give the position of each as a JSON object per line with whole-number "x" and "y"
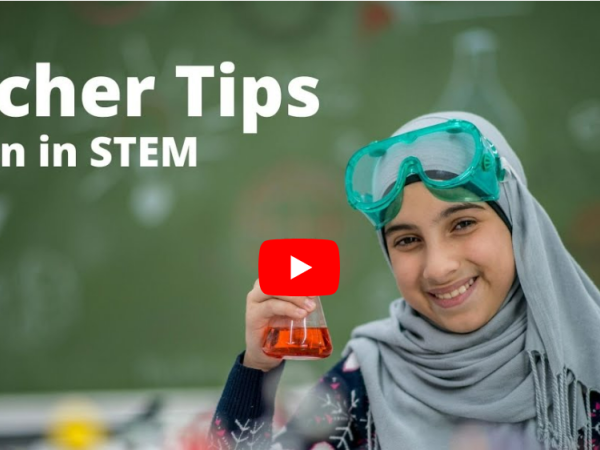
{"x": 452, "y": 159}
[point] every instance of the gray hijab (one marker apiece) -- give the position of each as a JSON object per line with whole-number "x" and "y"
{"x": 524, "y": 377}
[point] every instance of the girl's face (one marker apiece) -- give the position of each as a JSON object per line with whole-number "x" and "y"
{"x": 453, "y": 262}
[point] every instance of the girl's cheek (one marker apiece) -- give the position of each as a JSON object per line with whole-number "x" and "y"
{"x": 483, "y": 249}
{"x": 491, "y": 251}
{"x": 406, "y": 272}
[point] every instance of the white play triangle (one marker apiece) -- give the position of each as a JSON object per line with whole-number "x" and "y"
{"x": 298, "y": 267}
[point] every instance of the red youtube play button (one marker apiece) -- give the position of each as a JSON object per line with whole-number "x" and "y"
{"x": 299, "y": 267}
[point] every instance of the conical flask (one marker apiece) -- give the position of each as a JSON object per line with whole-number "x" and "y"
{"x": 475, "y": 86}
{"x": 306, "y": 338}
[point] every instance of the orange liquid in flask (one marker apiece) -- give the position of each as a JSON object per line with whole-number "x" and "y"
{"x": 306, "y": 338}
{"x": 298, "y": 342}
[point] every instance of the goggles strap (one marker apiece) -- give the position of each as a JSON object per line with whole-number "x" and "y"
{"x": 506, "y": 166}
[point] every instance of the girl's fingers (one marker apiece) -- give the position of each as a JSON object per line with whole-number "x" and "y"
{"x": 258, "y": 296}
{"x": 276, "y": 307}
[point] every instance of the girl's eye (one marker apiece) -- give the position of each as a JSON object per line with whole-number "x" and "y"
{"x": 405, "y": 242}
{"x": 464, "y": 224}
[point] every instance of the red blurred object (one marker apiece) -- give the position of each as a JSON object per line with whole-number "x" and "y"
{"x": 109, "y": 14}
{"x": 375, "y": 17}
{"x": 195, "y": 435}
{"x": 193, "y": 441}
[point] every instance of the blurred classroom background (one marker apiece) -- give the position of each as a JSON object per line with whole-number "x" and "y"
{"x": 122, "y": 290}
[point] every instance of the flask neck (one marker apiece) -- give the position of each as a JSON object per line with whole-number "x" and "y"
{"x": 478, "y": 67}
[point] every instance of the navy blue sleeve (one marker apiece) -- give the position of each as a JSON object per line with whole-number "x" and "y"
{"x": 249, "y": 393}
{"x": 244, "y": 415}
{"x": 333, "y": 412}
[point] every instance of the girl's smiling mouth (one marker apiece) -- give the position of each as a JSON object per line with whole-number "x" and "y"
{"x": 446, "y": 298}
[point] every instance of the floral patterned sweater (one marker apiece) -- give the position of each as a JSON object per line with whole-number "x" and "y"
{"x": 334, "y": 415}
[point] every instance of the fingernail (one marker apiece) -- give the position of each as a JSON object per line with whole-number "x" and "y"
{"x": 309, "y": 304}
{"x": 300, "y": 312}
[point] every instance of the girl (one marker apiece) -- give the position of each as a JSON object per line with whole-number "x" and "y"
{"x": 494, "y": 343}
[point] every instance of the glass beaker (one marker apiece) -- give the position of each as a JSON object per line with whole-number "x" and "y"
{"x": 306, "y": 338}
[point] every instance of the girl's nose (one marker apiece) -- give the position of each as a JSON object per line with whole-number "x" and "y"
{"x": 441, "y": 265}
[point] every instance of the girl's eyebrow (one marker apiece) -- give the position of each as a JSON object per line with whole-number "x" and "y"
{"x": 456, "y": 208}
{"x": 442, "y": 215}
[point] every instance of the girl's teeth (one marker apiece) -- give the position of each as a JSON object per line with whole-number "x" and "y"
{"x": 458, "y": 291}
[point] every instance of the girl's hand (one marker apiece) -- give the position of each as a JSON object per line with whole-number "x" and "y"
{"x": 260, "y": 308}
